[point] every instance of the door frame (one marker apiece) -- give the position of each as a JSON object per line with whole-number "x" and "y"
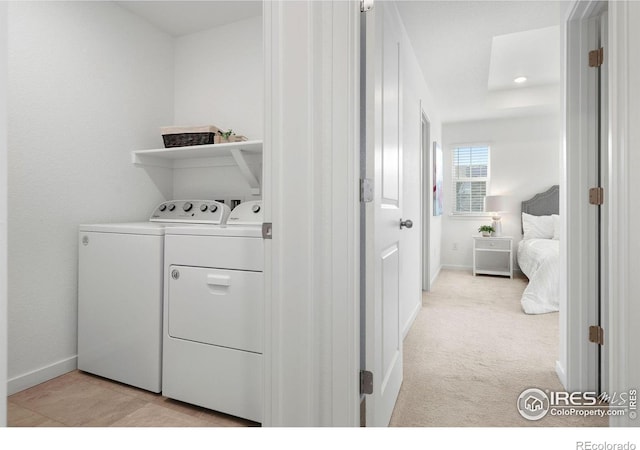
{"x": 426, "y": 205}
{"x": 622, "y": 370}
{"x": 617, "y": 287}
{"x": 282, "y": 348}
{"x": 3, "y": 214}
{"x": 311, "y": 196}
{"x": 577, "y": 304}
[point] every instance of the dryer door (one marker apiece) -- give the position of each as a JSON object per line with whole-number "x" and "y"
{"x": 215, "y": 306}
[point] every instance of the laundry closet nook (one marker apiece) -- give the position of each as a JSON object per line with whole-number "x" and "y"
{"x": 90, "y": 86}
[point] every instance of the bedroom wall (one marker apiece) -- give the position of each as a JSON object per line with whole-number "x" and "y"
{"x": 88, "y": 83}
{"x": 525, "y": 160}
{"x": 219, "y": 81}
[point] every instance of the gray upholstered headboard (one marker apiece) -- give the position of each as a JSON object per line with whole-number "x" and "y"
{"x": 543, "y": 204}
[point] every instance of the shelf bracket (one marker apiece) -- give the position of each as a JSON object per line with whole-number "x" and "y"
{"x": 238, "y": 156}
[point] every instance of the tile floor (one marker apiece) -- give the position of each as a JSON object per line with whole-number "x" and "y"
{"x": 79, "y": 399}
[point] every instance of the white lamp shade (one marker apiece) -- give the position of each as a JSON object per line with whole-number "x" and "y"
{"x": 495, "y": 203}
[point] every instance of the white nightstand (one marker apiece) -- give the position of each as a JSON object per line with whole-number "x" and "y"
{"x": 493, "y": 255}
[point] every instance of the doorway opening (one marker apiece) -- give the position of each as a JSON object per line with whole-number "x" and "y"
{"x": 566, "y": 194}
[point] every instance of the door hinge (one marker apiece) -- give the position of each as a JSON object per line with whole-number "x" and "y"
{"x": 366, "y": 190}
{"x": 267, "y": 230}
{"x": 596, "y": 57}
{"x": 596, "y": 196}
{"x": 366, "y": 5}
{"x": 366, "y": 382}
{"x": 596, "y": 334}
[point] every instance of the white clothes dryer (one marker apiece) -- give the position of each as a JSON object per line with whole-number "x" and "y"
{"x": 214, "y": 314}
{"x": 120, "y": 290}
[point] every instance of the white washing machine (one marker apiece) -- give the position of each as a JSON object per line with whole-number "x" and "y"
{"x": 120, "y": 291}
{"x": 214, "y": 314}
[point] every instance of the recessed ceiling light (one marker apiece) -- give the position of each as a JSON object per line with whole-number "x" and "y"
{"x": 520, "y": 80}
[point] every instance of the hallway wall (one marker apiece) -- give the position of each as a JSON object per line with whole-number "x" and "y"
{"x": 416, "y": 94}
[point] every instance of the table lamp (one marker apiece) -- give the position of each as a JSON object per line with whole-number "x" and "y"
{"x": 495, "y": 204}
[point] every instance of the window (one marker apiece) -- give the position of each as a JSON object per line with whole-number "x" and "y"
{"x": 470, "y": 178}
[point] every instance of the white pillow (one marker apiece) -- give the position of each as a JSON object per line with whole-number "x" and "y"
{"x": 556, "y": 227}
{"x": 537, "y": 227}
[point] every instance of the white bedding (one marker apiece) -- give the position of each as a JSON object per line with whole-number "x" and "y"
{"x": 539, "y": 260}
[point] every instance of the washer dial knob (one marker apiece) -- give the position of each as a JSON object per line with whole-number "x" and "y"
{"x": 203, "y": 207}
{"x": 162, "y": 207}
{"x": 172, "y": 207}
{"x": 187, "y": 206}
{"x": 213, "y": 208}
{"x": 255, "y": 209}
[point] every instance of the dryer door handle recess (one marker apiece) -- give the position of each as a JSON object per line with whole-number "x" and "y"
{"x": 218, "y": 280}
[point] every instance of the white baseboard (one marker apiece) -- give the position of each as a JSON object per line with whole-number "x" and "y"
{"x": 412, "y": 318}
{"x": 516, "y": 272}
{"x": 561, "y": 374}
{"x": 435, "y": 276}
{"x": 33, "y": 378}
{"x": 454, "y": 267}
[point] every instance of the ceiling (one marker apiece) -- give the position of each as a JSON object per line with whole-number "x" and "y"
{"x": 179, "y": 18}
{"x": 471, "y": 51}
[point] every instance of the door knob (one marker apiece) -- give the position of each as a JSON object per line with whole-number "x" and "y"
{"x": 405, "y": 223}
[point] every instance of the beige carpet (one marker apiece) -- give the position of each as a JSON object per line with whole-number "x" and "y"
{"x": 472, "y": 351}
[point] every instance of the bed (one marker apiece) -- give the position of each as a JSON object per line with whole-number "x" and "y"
{"x": 538, "y": 252}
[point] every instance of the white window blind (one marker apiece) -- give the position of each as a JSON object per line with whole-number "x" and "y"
{"x": 470, "y": 178}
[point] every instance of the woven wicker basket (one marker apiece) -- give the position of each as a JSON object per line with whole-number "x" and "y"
{"x": 187, "y": 136}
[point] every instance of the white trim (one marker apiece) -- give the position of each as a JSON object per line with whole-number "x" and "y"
{"x": 561, "y": 374}
{"x": 426, "y": 199}
{"x": 311, "y": 153}
{"x": 435, "y": 276}
{"x": 271, "y": 403}
{"x": 345, "y": 233}
{"x": 456, "y": 267}
{"x": 46, "y": 373}
{"x": 412, "y": 319}
{"x": 3, "y": 214}
{"x": 578, "y": 249}
{"x": 516, "y": 271}
{"x": 618, "y": 198}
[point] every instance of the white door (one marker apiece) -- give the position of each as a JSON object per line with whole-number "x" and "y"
{"x": 383, "y": 233}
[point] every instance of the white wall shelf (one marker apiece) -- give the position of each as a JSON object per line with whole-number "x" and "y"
{"x": 240, "y": 154}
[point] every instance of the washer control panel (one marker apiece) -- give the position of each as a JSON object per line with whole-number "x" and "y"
{"x": 191, "y": 211}
{"x": 247, "y": 213}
